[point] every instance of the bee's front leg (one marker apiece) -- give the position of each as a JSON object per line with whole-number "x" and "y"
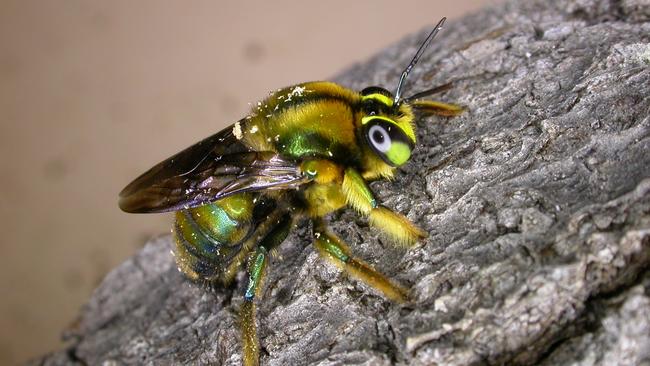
{"x": 396, "y": 226}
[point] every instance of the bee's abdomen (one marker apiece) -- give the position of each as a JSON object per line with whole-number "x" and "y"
{"x": 208, "y": 237}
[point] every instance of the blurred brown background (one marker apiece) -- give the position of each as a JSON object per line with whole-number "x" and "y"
{"x": 93, "y": 93}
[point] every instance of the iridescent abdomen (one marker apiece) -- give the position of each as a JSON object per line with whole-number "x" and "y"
{"x": 209, "y": 237}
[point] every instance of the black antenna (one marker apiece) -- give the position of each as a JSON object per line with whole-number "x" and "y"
{"x": 417, "y": 56}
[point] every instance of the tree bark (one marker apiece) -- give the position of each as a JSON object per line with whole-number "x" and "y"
{"x": 536, "y": 201}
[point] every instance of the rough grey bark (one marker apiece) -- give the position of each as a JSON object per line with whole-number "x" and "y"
{"x": 537, "y": 201}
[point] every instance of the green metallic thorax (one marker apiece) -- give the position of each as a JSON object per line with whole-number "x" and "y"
{"x": 306, "y": 121}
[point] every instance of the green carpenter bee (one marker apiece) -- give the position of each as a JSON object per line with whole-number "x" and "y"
{"x": 305, "y": 151}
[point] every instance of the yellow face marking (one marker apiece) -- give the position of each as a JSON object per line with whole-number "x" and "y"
{"x": 380, "y": 98}
{"x": 398, "y": 153}
{"x": 367, "y": 119}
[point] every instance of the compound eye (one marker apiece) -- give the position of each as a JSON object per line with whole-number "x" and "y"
{"x": 379, "y": 138}
{"x": 387, "y": 140}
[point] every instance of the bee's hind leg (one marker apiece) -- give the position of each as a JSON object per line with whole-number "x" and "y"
{"x": 256, "y": 272}
{"x": 333, "y": 249}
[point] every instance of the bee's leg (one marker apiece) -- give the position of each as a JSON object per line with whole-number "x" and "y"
{"x": 256, "y": 272}
{"x": 396, "y": 226}
{"x": 438, "y": 108}
{"x": 336, "y": 251}
{"x": 433, "y": 107}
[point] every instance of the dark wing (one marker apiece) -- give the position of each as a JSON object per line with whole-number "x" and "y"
{"x": 209, "y": 170}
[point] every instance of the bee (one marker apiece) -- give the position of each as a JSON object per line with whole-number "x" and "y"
{"x": 305, "y": 151}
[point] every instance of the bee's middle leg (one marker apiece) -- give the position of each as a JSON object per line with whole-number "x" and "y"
{"x": 333, "y": 249}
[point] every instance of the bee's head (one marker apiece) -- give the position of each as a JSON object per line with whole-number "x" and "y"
{"x": 387, "y": 127}
{"x": 387, "y": 119}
